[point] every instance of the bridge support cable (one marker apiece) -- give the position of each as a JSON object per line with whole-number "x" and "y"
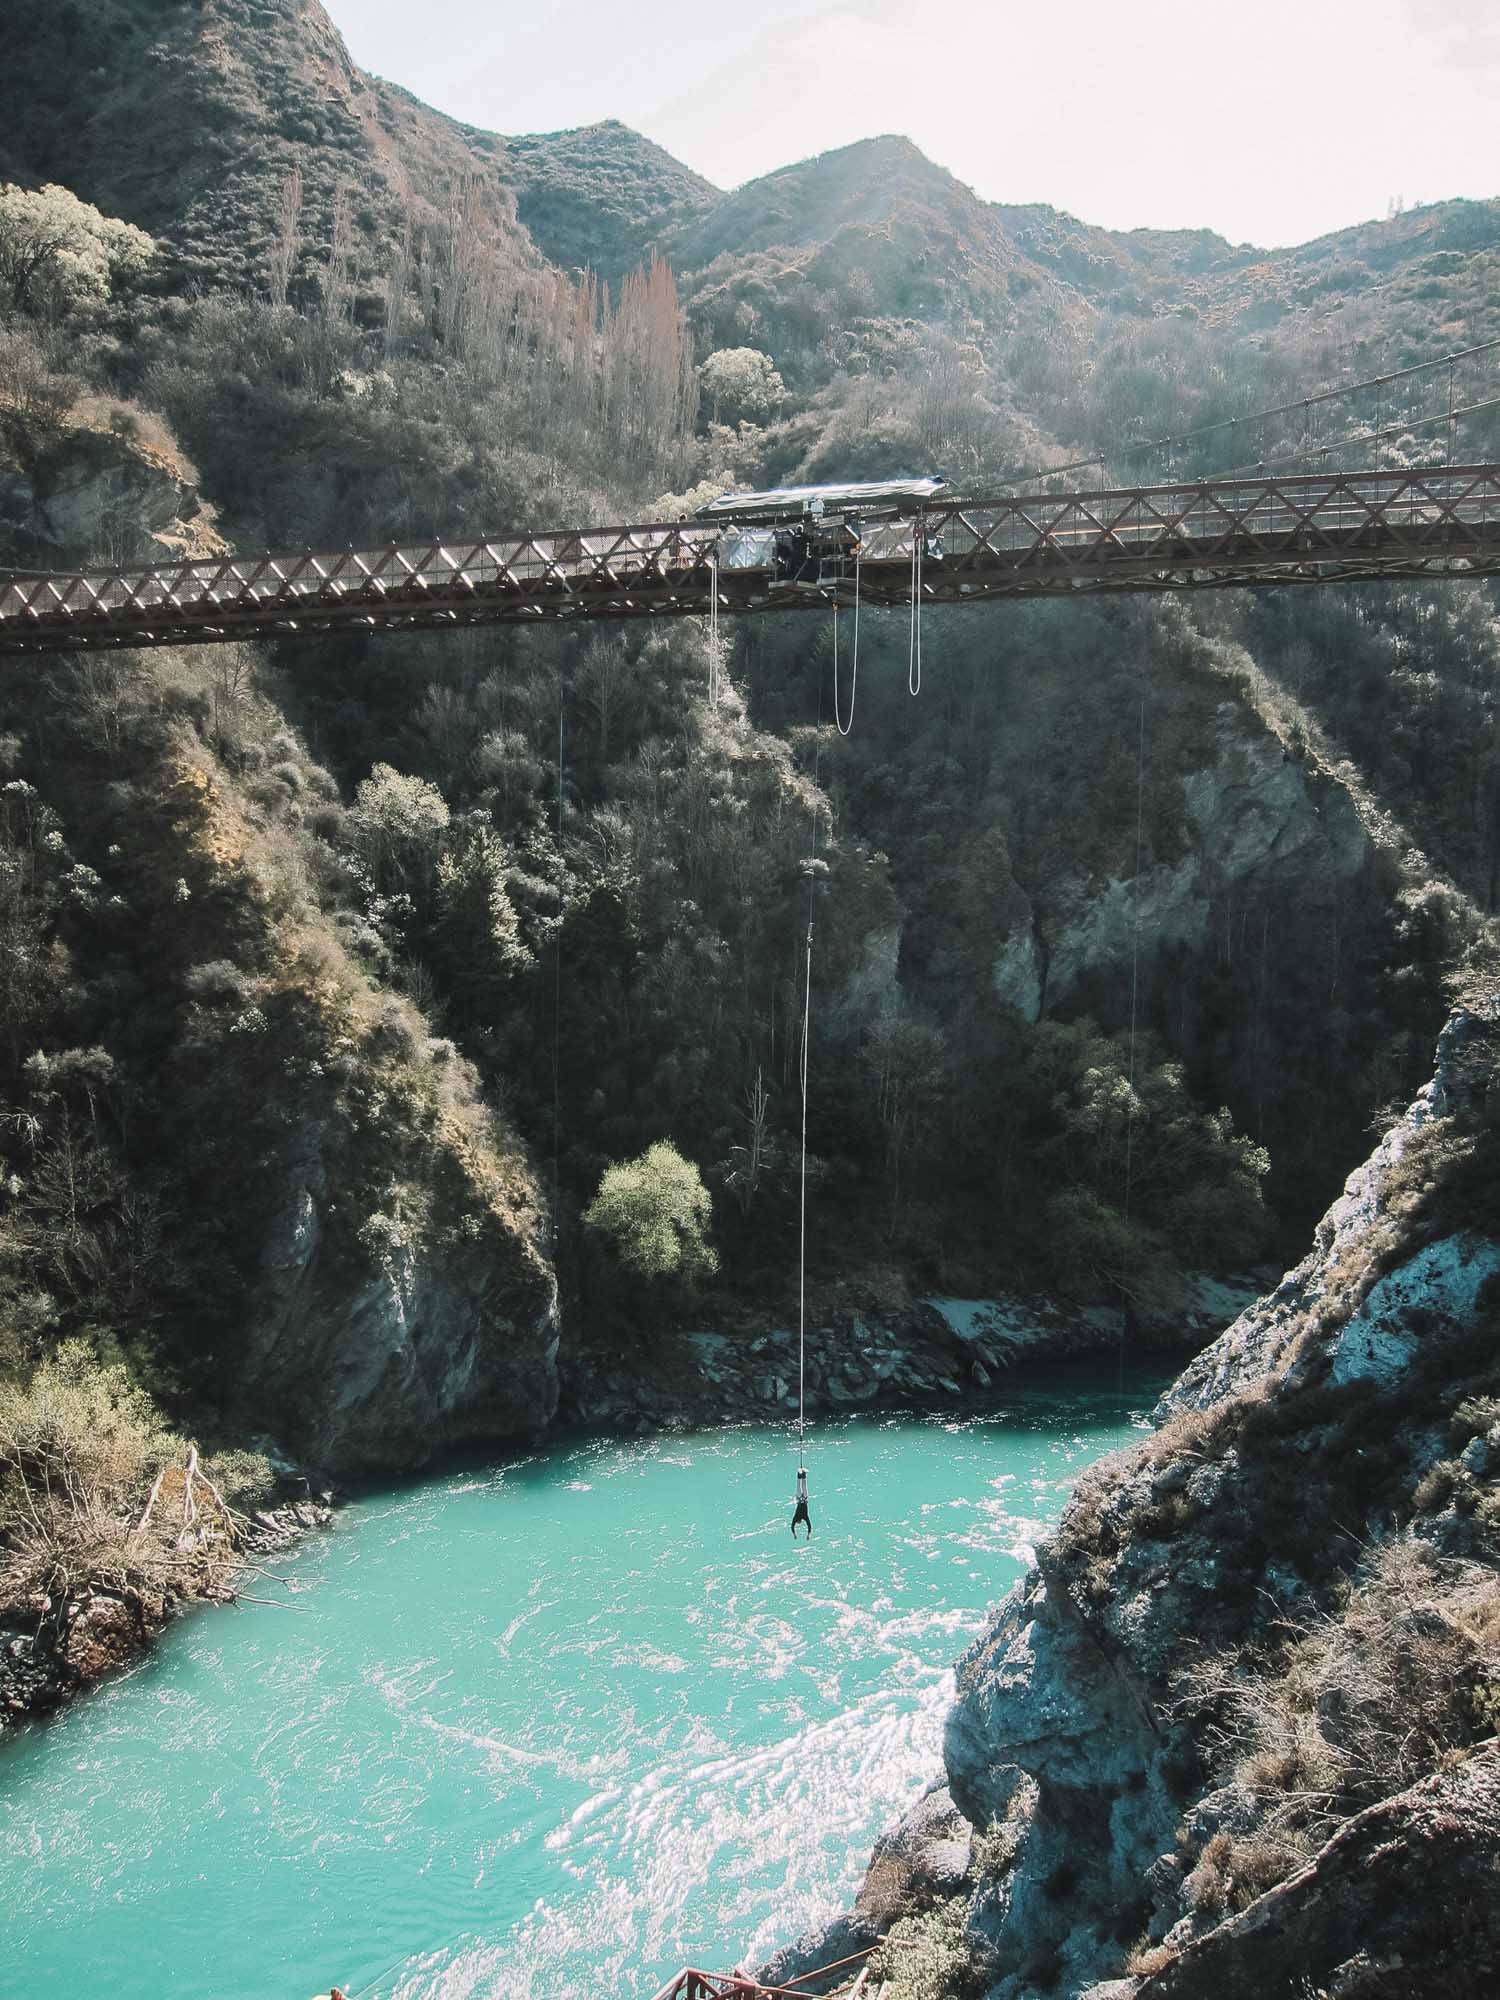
{"x": 1124, "y": 452}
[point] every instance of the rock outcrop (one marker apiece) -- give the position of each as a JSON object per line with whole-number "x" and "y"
{"x": 1151, "y": 1739}
{"x": 1255, "y": 823}
{"x": 1399, "y": 1902}
{"x": 444, "y": 1335}
{"x": 68, "y": 1642}
{"x": 866, "y": 1349}
{"x": 103, "y": 491}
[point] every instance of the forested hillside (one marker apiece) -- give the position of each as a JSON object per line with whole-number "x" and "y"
{"x": 337, "y": 973}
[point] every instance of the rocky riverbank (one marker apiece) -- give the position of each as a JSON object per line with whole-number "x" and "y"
{"x": 866, "y": 1351}
{"x": 68, "y": 1643}
{"x": 863, "y": 1353}
{"x": 1235, "y": 1731}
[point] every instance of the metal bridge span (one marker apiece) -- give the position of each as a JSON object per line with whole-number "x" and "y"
{"x": 1325, "y": 527}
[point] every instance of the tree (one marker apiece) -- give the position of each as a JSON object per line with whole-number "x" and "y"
{"x": 476, "y": 943}
{"x": 741, "y": 382}
{"x": 399, "y": 822}
{"x": 653, "y": 1211}
{"x": 286, "y": 242}
{"x": 61, "y": 256}
{"x": 35, "y": 403}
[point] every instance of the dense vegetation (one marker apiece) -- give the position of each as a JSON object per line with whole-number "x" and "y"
{"x": 462, "y": 902}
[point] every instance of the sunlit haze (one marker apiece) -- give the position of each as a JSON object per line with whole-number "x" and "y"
{"x": 1270, "y": 123}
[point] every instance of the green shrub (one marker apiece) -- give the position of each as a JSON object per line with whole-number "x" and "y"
{"x": 653, "y": 1211}
{"x": 80, "y": 1448}
{"x": 929, "y": 1956}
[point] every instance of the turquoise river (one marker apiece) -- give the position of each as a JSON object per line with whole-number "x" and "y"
{"x": 550, "y": 1727}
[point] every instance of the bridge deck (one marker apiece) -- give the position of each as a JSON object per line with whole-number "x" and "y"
{"x": 1275, "y": 529}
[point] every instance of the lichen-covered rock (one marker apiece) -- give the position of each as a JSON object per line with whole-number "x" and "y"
{"x": 1401, "y": 1902}
{"x": 101, "y": 494}
{"x": 1255, "y": 1344}
{"x": 925, "y": 1857}
{"x": 103, "y": 1634}
{"x": 448, "y": 1334}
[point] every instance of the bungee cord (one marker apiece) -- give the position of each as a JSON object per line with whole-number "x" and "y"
{"x": 844, "y": 727}
{"x": 802, "y": 1192}
{"x": 557, "y": 988}
{"x": 1135, "y": 970}
{"x": 714, "y": 667}
{"x": 914, "y": 649}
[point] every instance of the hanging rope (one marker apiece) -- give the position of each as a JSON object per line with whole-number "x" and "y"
{"x": 802, "y": 1217}
{"x": 812, "y": 889}
{"x": 557, "y": 986}
{"x": 713, "y": 627}
{"x": 1135, "y": 973}
{"x": 844, "y": 727}
{"x": 914, "y": 651}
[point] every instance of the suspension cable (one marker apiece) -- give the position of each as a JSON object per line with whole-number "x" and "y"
{"x": 1251, "y": 468}
{"x": 1135, "y": 448}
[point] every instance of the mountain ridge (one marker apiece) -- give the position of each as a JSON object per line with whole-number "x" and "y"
{"x": 237, "y": 93}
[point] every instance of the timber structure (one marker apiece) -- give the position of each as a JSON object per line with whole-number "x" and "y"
{"x": 1277, "y": 528}
{"x": 850, "y": 1976}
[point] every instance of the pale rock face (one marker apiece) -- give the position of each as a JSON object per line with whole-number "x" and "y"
{"x": 104, "y": 500}
{"x": 1258, "y": 1339}
{"x": 1442, "y": 1281}
{"x": 1253, "y": 814}
{"x": 432, "y": 1346}
{"x": 1019, "y": 972}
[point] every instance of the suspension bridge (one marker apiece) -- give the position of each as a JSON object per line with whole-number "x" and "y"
{"x": 1274, "y": 528}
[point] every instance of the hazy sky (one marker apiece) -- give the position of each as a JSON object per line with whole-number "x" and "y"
{"x": 1268, "y": 120}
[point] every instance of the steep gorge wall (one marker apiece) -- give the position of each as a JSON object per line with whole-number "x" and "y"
{"x": 1296, "y": 1513}
{"x": 295, "y": 1192}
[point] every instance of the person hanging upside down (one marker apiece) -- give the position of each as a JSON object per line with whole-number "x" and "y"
{"x": 801, "y": 1513}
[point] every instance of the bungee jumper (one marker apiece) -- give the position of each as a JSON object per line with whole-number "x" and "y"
{"x": 801, "y": 1513}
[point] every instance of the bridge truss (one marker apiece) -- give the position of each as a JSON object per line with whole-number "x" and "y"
{"x": 1302, "y": 528}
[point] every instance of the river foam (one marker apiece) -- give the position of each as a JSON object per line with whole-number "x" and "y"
{"x": 552, "y": 1728}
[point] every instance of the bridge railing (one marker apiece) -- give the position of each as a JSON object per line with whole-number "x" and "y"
{"x": 1275, "y": 513}
{"x": 570, "y": 559}
{"x": 1288, "y": 526}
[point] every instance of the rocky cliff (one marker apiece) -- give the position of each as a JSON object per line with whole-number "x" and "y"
{"x": 348, "y": 1251}
{"x": 1235, "y": 1732}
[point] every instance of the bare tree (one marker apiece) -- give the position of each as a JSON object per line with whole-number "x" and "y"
{"x": 287, "y": 240}
{"x": 337, "y": 278}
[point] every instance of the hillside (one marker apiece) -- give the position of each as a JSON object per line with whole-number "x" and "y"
{"x": 347, "y": 985}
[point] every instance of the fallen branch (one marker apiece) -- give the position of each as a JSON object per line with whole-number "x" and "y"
{"x": 151, "y": 1498}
